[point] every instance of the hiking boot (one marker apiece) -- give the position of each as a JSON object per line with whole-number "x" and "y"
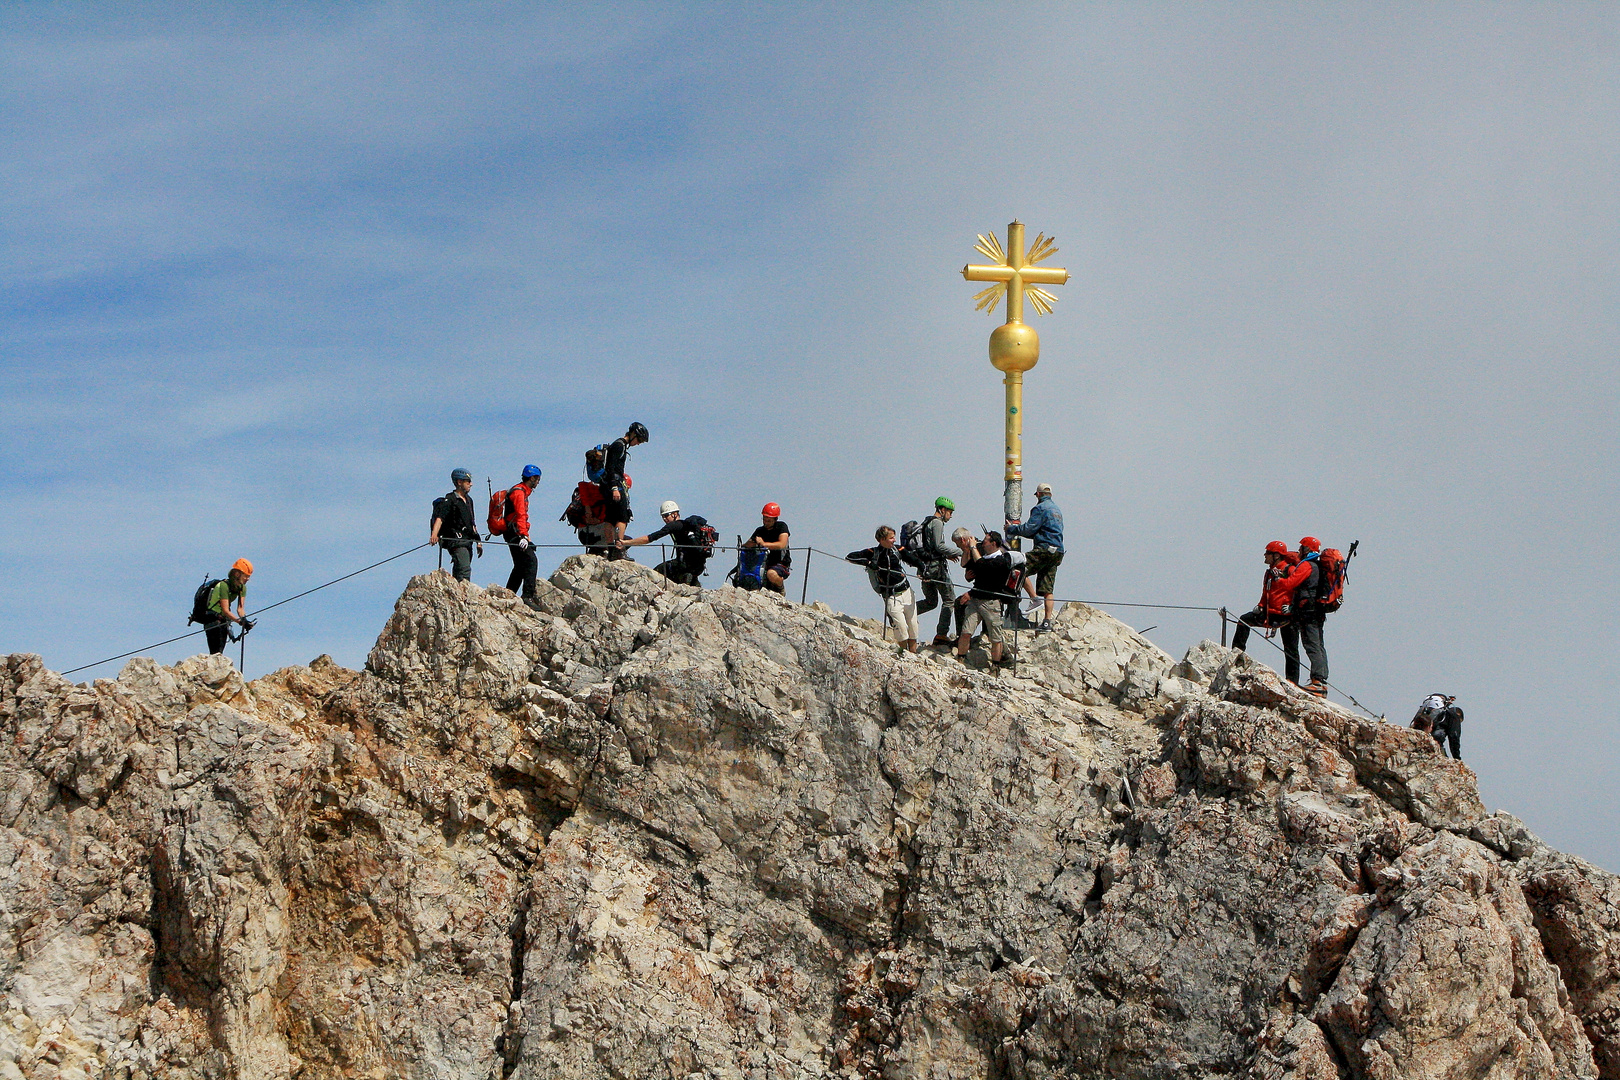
{"x": 942, "y": 642}
{"x": 1045, "y": 627}
{"x": 1316, "y": 687}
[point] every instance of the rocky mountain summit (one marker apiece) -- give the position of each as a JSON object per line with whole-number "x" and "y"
{"x": 646, "y": 831}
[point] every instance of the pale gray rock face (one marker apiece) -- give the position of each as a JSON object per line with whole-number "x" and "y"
{"x": 642, "y": 830}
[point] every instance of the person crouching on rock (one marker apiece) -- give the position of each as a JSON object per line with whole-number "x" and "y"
{"x": 888, "y": 577}
{"x": 691, "y": 550}
{"x": 1284, "y": 573}
{"x": 773, "y": 536}
{"x": 987, "y": 567}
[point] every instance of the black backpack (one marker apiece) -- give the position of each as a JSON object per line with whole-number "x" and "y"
{"x": 707, "y": 537}
{"x": 199, "y": 603}
{"x": 910, "y": 538}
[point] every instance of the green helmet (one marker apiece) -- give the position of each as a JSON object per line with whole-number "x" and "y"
{"x": 942, "y": 503}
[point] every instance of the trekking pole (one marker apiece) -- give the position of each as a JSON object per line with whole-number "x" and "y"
{"x": 1223, "y": 628}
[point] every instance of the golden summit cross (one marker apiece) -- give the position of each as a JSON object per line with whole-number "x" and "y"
{"x": 1014, "y": 346}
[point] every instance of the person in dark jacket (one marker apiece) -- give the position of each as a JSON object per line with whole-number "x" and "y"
{"x": 1284, "y": 574}
{"x": 1448, "y": 728}
{"x": 888, "y": 577}
{"x": 1309, "y": 619}
{"x": 455, "y": 525}
{"x": 615, "y": 492}
{"x": 525, "y": 562}
{"x": 937, "y": 553}
{"x": 691, "y": 560}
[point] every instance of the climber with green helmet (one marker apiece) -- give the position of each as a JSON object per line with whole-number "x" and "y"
{"x": 936, "y": 553}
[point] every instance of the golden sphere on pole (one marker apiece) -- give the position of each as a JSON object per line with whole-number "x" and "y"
{"x": 1014, "y": 346}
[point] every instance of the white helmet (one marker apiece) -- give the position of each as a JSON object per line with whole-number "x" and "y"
{"x": 669, "y": 507}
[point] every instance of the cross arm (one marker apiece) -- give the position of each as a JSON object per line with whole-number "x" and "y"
{"x": 1031, "y": 275}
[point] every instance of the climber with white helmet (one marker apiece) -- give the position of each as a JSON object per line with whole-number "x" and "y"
{"x": 693, "y": 539}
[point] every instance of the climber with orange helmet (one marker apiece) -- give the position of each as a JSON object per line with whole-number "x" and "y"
{"x": 773, "y": 535}
{"x": 217, "y": 619}
{"x": 1284, "y": 573}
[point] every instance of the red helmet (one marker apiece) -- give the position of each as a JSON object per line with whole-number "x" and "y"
{"x": 1309, "y": 543}
{"x": 772, "y": 510}
{"x": 1276, "y": 547}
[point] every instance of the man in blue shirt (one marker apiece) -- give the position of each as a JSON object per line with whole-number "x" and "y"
{"x": 1045, "y": 527}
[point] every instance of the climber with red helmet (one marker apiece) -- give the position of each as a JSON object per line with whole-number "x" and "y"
{"x": 773, "y": 535}
{"x": 1309, "y": 617}
{"x": 615, "y": 488}
{"x": 1284, "y": 573}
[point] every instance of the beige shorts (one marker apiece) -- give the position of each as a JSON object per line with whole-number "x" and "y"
{"x": 986, "y": 612}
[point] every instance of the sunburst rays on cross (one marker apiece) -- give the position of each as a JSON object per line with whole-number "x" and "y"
{"x": 1043, "y": 248}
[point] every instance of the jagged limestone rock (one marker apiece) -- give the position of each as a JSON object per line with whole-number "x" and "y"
{"x": 644, "y": 830}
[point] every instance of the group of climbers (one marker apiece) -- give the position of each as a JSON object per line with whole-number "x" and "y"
{"x": 1300, "y": 589}
{"x": 995, "y": 570}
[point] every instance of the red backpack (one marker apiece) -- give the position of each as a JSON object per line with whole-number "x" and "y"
{"x": 1332, "y": 564}
{"x": 499, "y": 504}
{"x": 585, "y": 508}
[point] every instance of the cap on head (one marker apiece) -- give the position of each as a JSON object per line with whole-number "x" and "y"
{"x": 244, "y": 566}
{"x": 1309, "y": 543}
{"x": 995, "y": 536}
{"x": 942, "y": 503}
{"x": 1042, "y": 489}
{"x": 458, "y": 475}
{"x": 638, "y": 431}
{"x": 530, "y": 471}
{"x": 1276, "y": 547}
{"x": 771, "y": 510}
{"x": 668, "y": 507}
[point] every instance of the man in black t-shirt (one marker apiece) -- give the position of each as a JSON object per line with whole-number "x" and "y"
{"x": 690, "y": 560}
{"x": 987, "y": 567}
{"x": 773, "y": 534}
{"x": 615, "y": 490}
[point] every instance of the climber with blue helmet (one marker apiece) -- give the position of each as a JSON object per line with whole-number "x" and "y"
{"x": 525, "y": 563}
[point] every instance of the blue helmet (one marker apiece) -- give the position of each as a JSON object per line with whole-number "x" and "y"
{"x": 460, "y": 474}
{"x": 530, "y": 470}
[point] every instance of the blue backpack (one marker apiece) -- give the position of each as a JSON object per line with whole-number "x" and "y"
{"x": 750, "y": 571}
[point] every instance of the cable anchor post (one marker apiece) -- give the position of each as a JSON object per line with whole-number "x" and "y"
{"x": 1223, "y": 628}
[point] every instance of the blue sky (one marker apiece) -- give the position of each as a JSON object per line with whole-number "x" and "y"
{"x": 1348, "y": 270}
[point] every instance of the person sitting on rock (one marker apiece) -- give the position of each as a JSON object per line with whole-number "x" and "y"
{"x": 1284, "y": 573}
{"x": 987, "y": 567}
{"x": 773, "y": 535}
{"x": 691, "y": 548}
{"x": 888, "y": 576}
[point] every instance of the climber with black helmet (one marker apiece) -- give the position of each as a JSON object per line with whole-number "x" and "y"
{"x": 1284, "y": 573}
{"x": 693, "y": 540}
{"x": 615, "y": 492}
{"x": 773, "y": 535}
{"x": 937, "y": 553}
{"x": 525, "y": 562}
{"x": 455, "y": 525}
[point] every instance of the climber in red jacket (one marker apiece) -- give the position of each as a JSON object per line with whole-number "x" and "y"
{"x": 1284, "y": 574}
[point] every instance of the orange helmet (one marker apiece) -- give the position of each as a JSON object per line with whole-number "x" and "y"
{"x": 1276, "y": 547}
{"x": 771, "y": 510}
{"x": 1309, "y": 543}
{"x": 244, "y": 566}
